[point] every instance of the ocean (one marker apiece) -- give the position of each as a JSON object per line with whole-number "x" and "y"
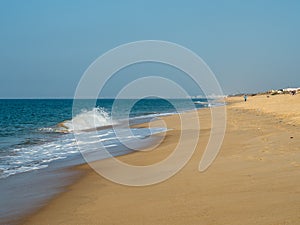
{"x": 37, "y": 141}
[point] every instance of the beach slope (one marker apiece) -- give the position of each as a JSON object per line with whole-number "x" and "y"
{"x": 254, "y": 180}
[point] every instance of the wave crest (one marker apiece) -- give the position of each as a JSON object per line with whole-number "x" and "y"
{"x": 87, "y": 120}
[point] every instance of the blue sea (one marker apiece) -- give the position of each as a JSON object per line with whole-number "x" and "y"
{"x": 37, "y": 143}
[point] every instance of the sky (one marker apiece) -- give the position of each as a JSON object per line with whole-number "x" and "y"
{"x": 46, "y": 46}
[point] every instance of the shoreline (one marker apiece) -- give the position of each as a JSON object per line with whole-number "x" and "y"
{"x": 256, "y": 174}
{"x": 32, "y": 190}
{"x": 85, "y": 170}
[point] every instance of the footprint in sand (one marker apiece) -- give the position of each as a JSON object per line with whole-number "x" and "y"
{"x": 265, "y": 150}
{"x": 296, "y": 164}
{"x": 265, "y": 139}
{"x": 255, "y": 158}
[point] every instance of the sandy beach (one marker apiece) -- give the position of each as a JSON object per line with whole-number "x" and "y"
{"x": 254, "y": 180}
{"x": 285, "y": 107}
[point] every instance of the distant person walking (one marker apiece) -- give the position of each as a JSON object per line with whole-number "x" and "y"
{"x": 245, "y": 97}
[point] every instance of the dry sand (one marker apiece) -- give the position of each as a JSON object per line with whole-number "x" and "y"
{"x": 254, "y": 180}
{"x": 286, "y": 107}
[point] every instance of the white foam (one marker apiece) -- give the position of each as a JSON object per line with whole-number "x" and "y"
{"x": 86, "y": 120}
{"x": 33, "y": 157}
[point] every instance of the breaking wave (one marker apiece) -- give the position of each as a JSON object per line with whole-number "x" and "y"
{"x": 87, "y": 120}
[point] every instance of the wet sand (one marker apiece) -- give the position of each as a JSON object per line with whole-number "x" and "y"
{"x": 254, "y": 180}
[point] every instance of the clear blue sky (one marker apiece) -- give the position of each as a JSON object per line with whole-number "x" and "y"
{"x": 45, "y": 46}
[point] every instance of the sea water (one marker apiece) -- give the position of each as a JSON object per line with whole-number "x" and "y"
{"x": 37, "y": 138}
